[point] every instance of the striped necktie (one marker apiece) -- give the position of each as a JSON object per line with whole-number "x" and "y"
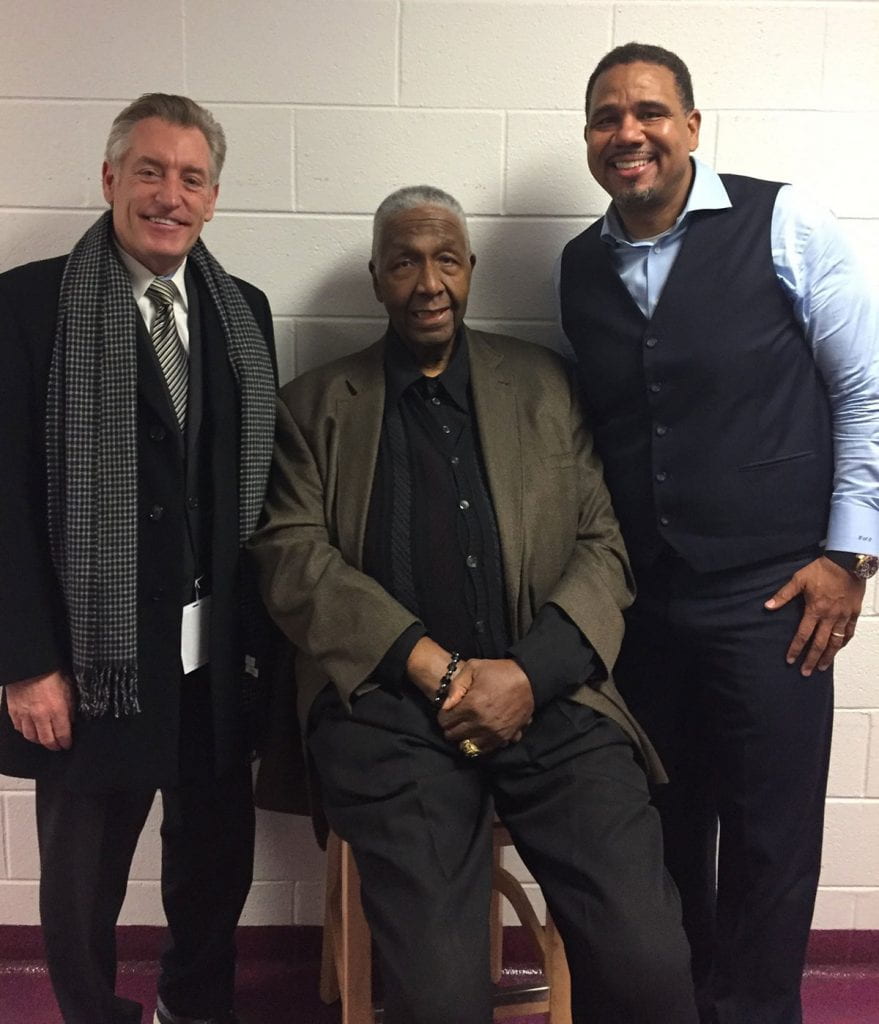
{"x": 169, "y": 347}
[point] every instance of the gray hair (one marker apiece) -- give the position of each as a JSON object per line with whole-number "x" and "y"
{"x": 409, "y": 198}
{"x": 178, "y": 110}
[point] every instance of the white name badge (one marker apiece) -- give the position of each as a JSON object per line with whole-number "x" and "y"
{"x": 195, "y": 634}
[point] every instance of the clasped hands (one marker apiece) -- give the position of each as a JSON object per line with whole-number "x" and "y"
{"x": 490, "y": 701}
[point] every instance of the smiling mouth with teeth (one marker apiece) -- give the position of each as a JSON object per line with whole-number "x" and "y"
{"x": 627, "y": 165}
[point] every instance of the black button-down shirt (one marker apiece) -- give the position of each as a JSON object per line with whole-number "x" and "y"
{"x": 432, "y": 537}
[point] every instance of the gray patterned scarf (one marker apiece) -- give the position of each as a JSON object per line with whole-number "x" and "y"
{"x": 91, "y": 446}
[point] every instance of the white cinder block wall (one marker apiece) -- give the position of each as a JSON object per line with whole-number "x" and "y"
{"x": 330, "y": 104}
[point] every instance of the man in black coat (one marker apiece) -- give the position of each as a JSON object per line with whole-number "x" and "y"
{"x": 136, "y": 399}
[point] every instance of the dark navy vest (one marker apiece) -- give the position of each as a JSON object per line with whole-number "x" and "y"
{"x": 711, "y": 418}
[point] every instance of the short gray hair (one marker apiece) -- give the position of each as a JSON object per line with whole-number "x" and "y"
{"x": 179, "y": 110}
{"x": 409, "y": 198}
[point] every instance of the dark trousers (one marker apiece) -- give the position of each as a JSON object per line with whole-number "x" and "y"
{"x": 418, "y": 816}
{"x": 87, "y": 841}
{"x": 746, "y": 742}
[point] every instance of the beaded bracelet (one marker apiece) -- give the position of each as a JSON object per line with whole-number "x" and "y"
{"x": 446, "y": 681}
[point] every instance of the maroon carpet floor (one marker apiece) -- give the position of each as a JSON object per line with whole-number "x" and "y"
{"x": 279, "y": 986}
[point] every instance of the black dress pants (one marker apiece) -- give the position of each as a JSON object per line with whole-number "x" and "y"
{"x": 418, "y": 816}
{"x": 87, "y": 841}
{"x": 746, "y": 741}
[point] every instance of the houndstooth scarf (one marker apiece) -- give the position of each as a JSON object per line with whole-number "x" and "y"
{"x": 91, "y": 448}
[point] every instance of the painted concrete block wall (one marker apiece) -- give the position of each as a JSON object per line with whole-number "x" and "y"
{"x": 328, "y": 106}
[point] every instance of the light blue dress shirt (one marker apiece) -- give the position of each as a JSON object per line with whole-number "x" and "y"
{"x": 838, "y": 309}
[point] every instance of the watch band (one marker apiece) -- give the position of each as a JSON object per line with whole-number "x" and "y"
{"x": 862, "y": 567}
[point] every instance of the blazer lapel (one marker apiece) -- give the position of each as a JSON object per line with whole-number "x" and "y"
{"x": 360, "y": 413}
{"x": 495, "y": 400}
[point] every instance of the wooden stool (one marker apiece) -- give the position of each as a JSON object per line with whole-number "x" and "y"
{"x": 346, "y": 958}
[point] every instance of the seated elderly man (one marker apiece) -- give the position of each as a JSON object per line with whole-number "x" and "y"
{"x": 440, "y": 548}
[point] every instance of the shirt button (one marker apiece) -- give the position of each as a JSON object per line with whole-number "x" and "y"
{"x": 454, "y": 460}
{"x": 471, "y": 561}
{"x": 463, "y": 504}
{"x": 656, "y": 388}
{"x": 156, "y": 512}
{"x": 661, "y": 431}
{"x": 652, "y": 342}
{"x": 664, "y": 520}
{"x": 446, "y": 429}
{"x": 661, "y": 477}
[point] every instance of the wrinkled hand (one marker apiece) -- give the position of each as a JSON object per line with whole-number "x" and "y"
{"x": 833, "y": 602}
{"x": 42, "y": 710}
{"x": 497, "y": 705}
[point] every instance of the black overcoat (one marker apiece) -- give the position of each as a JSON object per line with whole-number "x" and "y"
{"x": 139, "y": 750}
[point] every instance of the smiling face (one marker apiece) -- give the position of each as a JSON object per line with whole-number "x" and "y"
{"x": 639, "y": 139}
{"x": 161, "y": 192}
{"x": 421, "y": 274}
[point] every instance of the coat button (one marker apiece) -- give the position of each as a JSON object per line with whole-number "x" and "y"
{"x": 156, "y": 513}
{"x": 656, "y": 388}
{"x": 651, "y": 342}
{"x": 192, "y": 503}
{"x": 661, "y": 431}
{"x": 661, "y": 477}
{"x": 157, "y": 432}
{"x": 664, "y": 520}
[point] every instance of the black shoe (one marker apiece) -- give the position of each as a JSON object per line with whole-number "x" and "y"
{"x": 164, "y": 1016}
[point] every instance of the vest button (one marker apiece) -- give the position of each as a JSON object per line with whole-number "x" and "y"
{"x": 471, "y": 561}
{"x": 664, "y": 520}
{"x": 661, "y": 477}
{"x": 652, "y": 342}
{"x": 192, "y": 503}
{"x": 156, "y": 513}
{"x": 656, "y": 388}
{"x": 661, "y": 431}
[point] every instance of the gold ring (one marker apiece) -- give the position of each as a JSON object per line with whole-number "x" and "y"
{"x": 841, "y": 635}
{"x": 469, "y": 749}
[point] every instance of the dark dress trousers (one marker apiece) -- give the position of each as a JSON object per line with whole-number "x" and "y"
{"x": 192, "y": 738}
{"x": 714, "y": 428}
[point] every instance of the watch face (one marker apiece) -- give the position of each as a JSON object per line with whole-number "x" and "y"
{"x": 866, "y": 566}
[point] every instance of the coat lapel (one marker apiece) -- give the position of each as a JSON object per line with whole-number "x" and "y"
{"x": 495, "y": 400}
{"x": 360, "y": 411}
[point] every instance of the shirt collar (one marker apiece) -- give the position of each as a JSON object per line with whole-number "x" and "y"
{"x": 706, "y": 193}
{"x": 142, "y": 277}
{"x": 401, "y": 370}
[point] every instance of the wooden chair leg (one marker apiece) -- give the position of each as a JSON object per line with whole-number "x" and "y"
{"x": 557, "y": 974}
{"x": 496, "y": 921}
{"x": 351, "y": 942}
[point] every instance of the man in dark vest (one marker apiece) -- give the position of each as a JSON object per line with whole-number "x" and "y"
{"x": 727, "y": 351}
{"x": 137, "y": 410}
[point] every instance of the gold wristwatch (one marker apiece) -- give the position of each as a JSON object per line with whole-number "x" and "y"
{"x": 862, "y": 567}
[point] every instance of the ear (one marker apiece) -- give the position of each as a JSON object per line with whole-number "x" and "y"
{"x": 472, "y": 260}
{"x": 694, "y": 122}
{"x": 376, "y": 287}
{"x": 586, "y": 132}
{"x": 212, "y": 202}
{"x": 108, "y": 180}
